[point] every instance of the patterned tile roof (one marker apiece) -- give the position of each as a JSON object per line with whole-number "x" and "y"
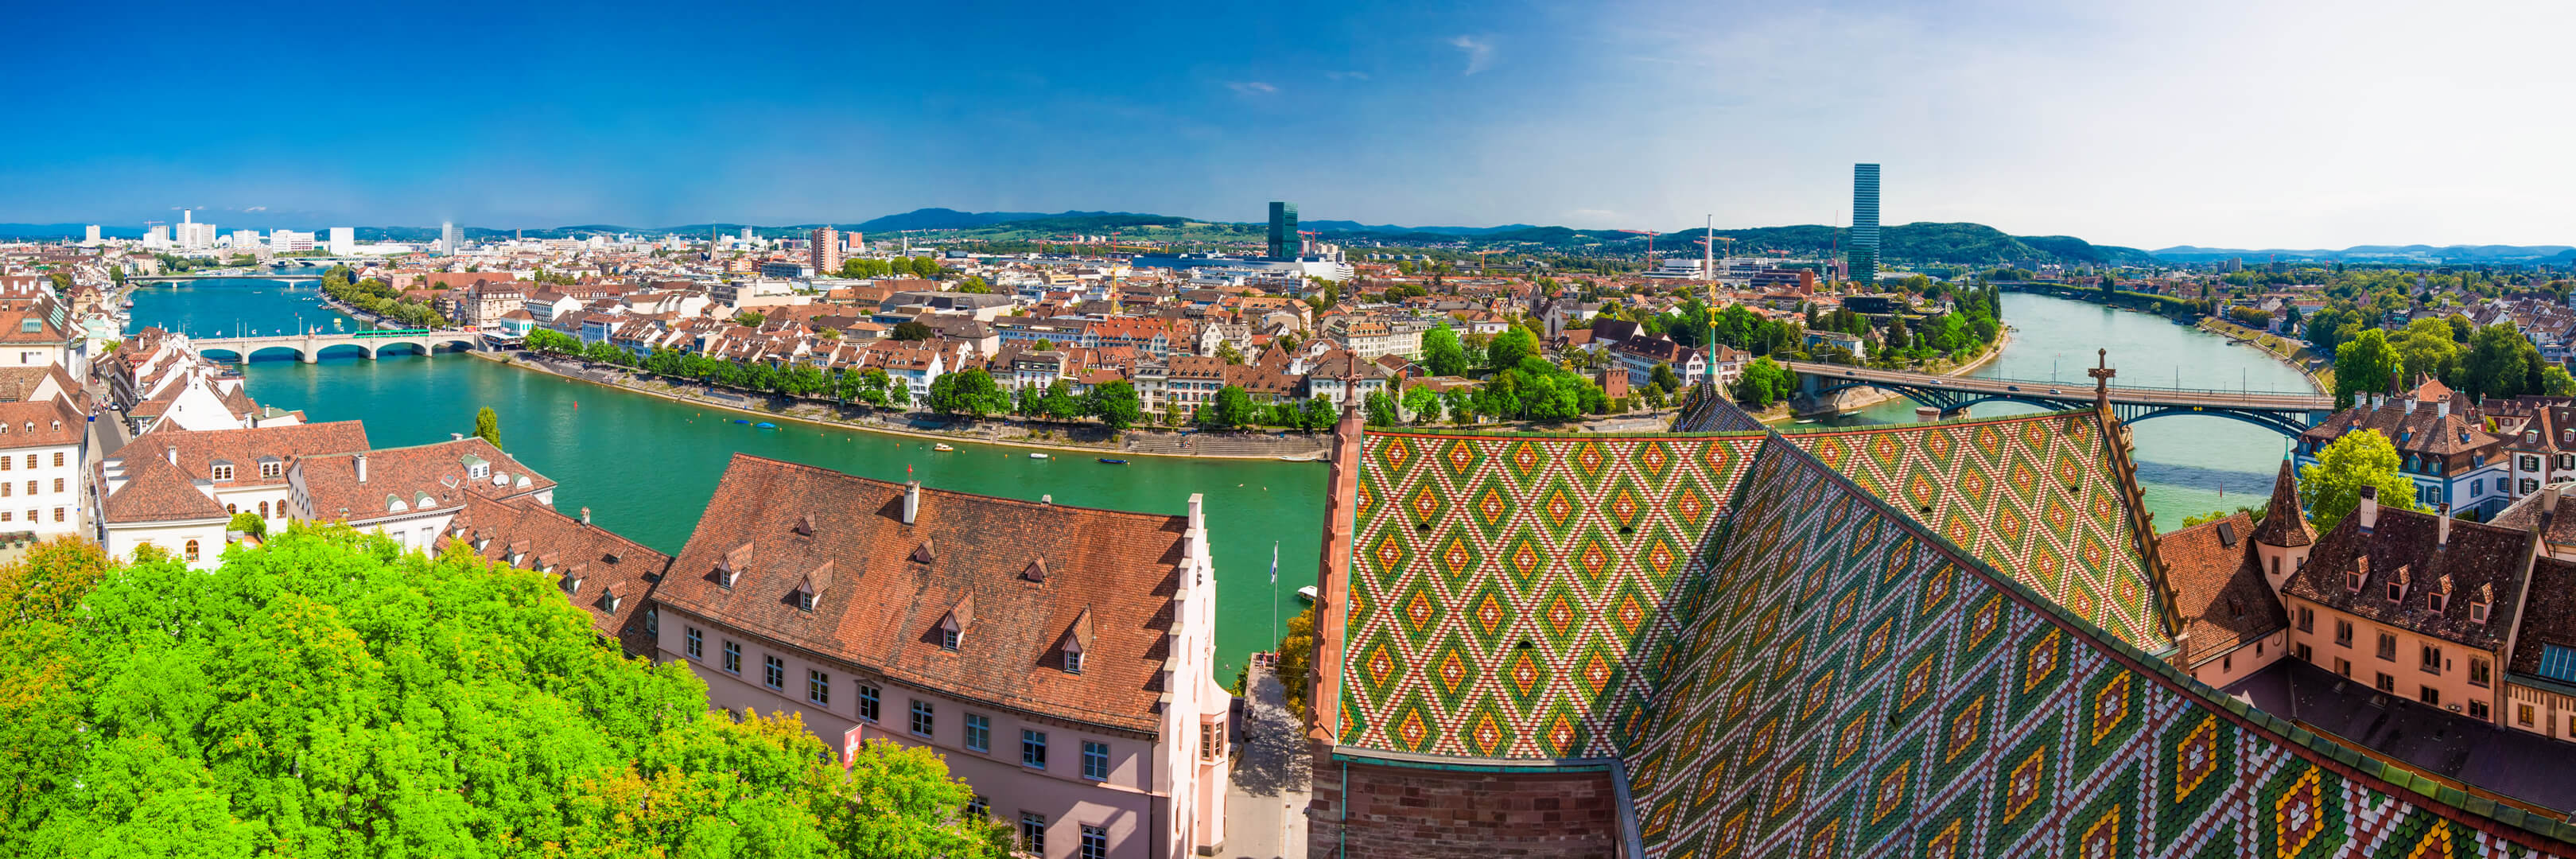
{"x": 1706, "y": 413}
{"x": 1855, "y": 685}
{"x": 2034, "y": 495}
{"x": 1501, "y": 586}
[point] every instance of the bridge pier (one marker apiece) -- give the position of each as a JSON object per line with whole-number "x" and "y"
{"x": 308, "y": 356}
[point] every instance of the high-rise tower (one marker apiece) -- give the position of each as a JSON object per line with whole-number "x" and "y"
{"x": 825, "y": 253}
{"x": 1864, "y": 231}
{"x": 453, "y": 238}
{"x": 1283, "y": 230}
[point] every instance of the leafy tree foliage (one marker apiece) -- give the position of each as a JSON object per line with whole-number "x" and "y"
{"x": 1441, "y": 352}
{"x": 970, "y": 392}
{"x": 1764, "y": 382}
{"x": 1116, "y": 404}
{"x": 1509, "y": 347}
{"x": 487, "y": 426}
{"x": 1381, "y": 409}
{"x": 2363, "y": 364}
{"x": 1232, "y": 408}
{"x": 328, "y": 695}
{"x": 2331, "y": 488}
{"x": 911, "y": 330}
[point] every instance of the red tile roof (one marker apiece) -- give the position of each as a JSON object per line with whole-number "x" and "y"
{"x": 616, "y": 574}
{"x": 891, "y": 585}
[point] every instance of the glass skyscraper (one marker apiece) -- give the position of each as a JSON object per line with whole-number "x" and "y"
{"x": 1864, "y": 231}
{"x": 1283, "y": 230}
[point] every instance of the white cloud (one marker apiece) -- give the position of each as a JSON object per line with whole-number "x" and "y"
{"x": 1347, "y": 76}
{"x": 1251, "y": 87}
{"x": 1480, "y": 52}
{"x": 256, "y": 209}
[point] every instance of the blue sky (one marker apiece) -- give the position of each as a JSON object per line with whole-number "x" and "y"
{"x": 2216, "y": 123}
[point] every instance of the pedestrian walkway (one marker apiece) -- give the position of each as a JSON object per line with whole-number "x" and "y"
{"x": 1265, "y": 809}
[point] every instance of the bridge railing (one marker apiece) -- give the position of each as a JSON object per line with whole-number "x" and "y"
{"x": 1830, "y": 370}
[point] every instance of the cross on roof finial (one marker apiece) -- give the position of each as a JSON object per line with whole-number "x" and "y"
{"x": 2102, "y": 374}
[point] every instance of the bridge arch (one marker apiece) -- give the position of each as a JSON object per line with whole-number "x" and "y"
{"x": 2267, "y": 420}
{"x": 401, "y": 347}
{"x": 359, "y": 349}
{"x": 2285, "y": 423}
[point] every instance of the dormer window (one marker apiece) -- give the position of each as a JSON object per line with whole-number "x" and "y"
{"x": 1073, "y": 662}
{"x": 725, "y": 577}
{"x": 224, "y": 471}
{"x": 2360, "y": 571}
{"x": 948, "y": 636}
{"x": 2440, "y": 598}
{"x": 2397, "y": 585}
{"x": 271, "y": 468}
{"x": 952, "y": 629}
{"x": 1076, "y": 640}
{"x": 2478, "y": 607}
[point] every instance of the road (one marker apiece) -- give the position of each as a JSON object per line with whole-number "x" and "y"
{"x": 1265, "y": 808}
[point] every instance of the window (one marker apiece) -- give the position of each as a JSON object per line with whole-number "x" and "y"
{"x": 694, "y": 642}
{"x": 2522, "y": 715}
{"x": 2396, "y": 591}
{"x": 979, "y": 733}
{"x": 2352, "y": 578}
{"x": 2306, "y": 655}
{"x": 2477, "y": 612}
{"x": 732, "y": 658}
{"x": 2529, "y": 486}
{"x": 947, "y": 638}
{"x": 2307, "y": 616}
{"x": 1073, "y": 662}
{"x": 1095, "y": 842}
{"x": 979, "y": 806}
{"x": 58, "y": 484}
{"x": 192, "y": 544}
{"x": 2388, "y": 647}
{"x": 1033, "y": 749}
{"x": 805, "y": 600}
{"x": 868, "y": 699}
{"x": 58, "y": 459}
{"x": 2432, "y": 659}
{"x": 1095, "y": 760}
{"x": 271, "y": 469}
{"x": 2558, "y": 662}
{"x": 923, "y": 719}
{"x": 58, "y": 514}
{"x": 2478, "y": 711}
{"x": 1033, "y": 832}
{"x": 773, "y": 672}
{"x": 2430, "y": 696}
{"x": 2343, "y": 632}
{"x": 818, "y": 687}
{"x": 1211, "y": 741}
{"x": 2387, "y": 683}
{"x": 222, "y": 472}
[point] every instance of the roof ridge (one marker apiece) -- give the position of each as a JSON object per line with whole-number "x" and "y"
{"x": 799, "y": 466}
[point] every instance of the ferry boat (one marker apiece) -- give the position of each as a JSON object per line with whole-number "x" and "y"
{"x": 1037, "y": 456}
{"x": 942, "y": 446}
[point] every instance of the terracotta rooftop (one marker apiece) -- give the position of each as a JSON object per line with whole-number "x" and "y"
{"x": 615, "y": 575}
{"x": 2283, "y": 523}
{"x": 2218, "y": 586}
{"x": 2404, "y": 547}
{"x": 403, "y": 480}
{"x": 886, "y": 587}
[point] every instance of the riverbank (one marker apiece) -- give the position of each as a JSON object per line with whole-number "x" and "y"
{"x": 2290, "y": 353}
{"x": 1856, "y": 399}
{"x": 1004, "y": 431}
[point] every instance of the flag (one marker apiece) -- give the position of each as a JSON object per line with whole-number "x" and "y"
{"x": 1274, "y": 562}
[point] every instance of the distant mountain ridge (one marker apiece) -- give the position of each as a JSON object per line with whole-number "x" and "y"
{"x": 2376, "y": 253}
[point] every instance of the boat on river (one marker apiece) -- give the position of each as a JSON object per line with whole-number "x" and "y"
{"x": 942, "y": 446}
{"x": 1037, "y": 456}
{"x": 1107, "y": 461}
{"x": 764, "y": 425}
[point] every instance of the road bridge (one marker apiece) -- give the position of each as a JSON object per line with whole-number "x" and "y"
{"x": 309, "y": 346}
{"x": 2285, "y": 413}
{"x": 248, "y": 275}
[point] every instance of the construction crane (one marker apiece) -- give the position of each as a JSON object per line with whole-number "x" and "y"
{"x": 1650, "y": 245}
{"x": 1484, "y": 266}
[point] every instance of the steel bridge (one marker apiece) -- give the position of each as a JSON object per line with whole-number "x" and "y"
{"x": 2288, "y": 414}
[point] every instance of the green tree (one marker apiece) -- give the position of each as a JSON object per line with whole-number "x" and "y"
{"x": 1764, "y": 382}
{"x": 1317, "y": 414}
{"x": 1226, "y": 352}
{"x": 2331, "y": 488}
{"x": 1116, "y": 404}
{"x": 334, "y": 696}
{"x": 1381, "y": 409}
{"x": 487, "y": 426}
{"x": 2425, "y": 348}
{"x": 1423, "y": 403}
{"x": 1232, "y": 408}
{"x": 968, "y": 392}
{"x": 2555, "y": 381}
{"x": 1057, "y": 402}
{"x": 749, "y": 319}
{"x": 975, "y": 285}
{"x": 1662, "y": 378}
{"x": 1441, "y": 352}
{"x": 1509, "y": 347}
{"x": 911, "y": 330}
{"x": 248, "y": 523}
{"x": 2363, "y": 365}
{"x": 2500, "y": 364}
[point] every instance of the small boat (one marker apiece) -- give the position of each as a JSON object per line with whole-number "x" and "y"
{"x": 1107, "y": 461}
{"x": 1037, "y": 456}
{"x": 764, "y": 425}
{"x": 1306, "y": 593}
{"x": 941, "y": 446}
{"x": 740, "y": 421}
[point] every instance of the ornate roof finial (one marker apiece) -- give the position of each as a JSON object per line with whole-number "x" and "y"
{"x": 2102, "y": 374}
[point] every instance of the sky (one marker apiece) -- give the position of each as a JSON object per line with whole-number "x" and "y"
{"x": 2144, "y": 124}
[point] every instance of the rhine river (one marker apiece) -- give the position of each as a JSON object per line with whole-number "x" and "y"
{"x": 646, "y": 466}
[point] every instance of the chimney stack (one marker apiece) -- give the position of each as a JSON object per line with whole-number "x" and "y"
{"x": 585, "y": 516}
{"x": 2442, "y": 528}
{"x": 2549, "y": 498}
{"x": 2442, "y": 407}
{"x": 2369, "y": 510}
{"x": 362, "y": 468}
{"x": 172, "y": 453}
{"x": 2410, "y": 405}
{"x": 911, "y": 501}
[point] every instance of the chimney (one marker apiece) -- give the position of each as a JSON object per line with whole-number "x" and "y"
{"x": 2442, "y": 407}
{"x": 2410, "y": 405}
{"x": 2442, "y": 526}
{"x": 2549, "y": 498}
{"x": 456, "y": 436}
{"x": 911, "y": 501}
{"x": 2369, "y": 510}
{"x": 585, "y": 516}
{"x": 362, "y": 469}
{"x": 172, "y": 453}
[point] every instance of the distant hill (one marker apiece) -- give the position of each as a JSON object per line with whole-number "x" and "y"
{"x": 1971, "y": 244}
{"x": 2376, "y": 253}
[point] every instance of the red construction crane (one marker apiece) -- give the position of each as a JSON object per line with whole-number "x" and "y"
{"x": 1650, "y": 245}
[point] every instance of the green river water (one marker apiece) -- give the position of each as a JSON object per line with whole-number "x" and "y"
{"x": 646, "y": 466}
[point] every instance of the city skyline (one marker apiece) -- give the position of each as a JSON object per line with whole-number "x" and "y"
{"x": 2261, "y": 126}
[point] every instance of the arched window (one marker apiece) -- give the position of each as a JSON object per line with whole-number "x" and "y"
{"x": 232, "y": 509}
{"x": 192, "y": 551}
{"x": 263, "y": 510}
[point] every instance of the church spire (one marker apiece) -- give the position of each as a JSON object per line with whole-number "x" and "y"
{"x": 2282, "y": 523}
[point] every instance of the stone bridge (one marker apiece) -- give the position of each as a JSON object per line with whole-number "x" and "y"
{"x": 309, "y": 346}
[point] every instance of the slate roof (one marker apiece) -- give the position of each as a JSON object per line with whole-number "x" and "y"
{"x": 612, "y": 569}
{"x": 2479, "y": 558}
{"x": 2284, "y": 524}
{"x": 891, "y": 585}
{"x": 2549, "y": 618}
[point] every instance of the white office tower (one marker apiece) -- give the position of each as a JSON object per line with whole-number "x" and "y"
{"x": 289, "y": 241}
{"x": 90, "y": 240}
{"x": 156, "y": 237}
{"x": 344, "y": 241}
{"x": 245, "y": 240}
{"x": 450, "y": 239}
{"x": 192, "y": 235}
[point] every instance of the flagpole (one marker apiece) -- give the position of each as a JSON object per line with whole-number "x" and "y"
{"x": 1274, "y": 592}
